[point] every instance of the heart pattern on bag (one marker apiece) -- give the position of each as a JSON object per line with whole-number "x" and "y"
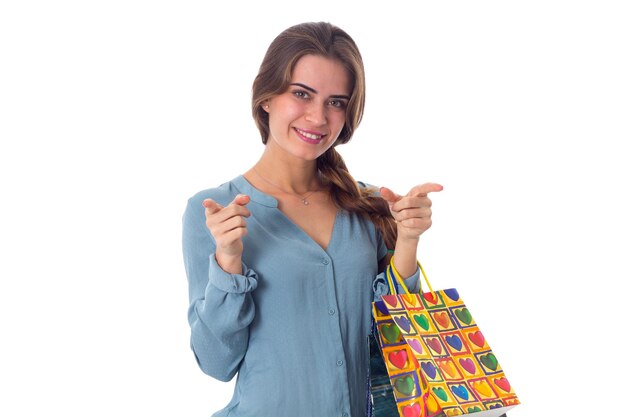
{"x": 416, "y": 346}
{"x": 403, "y": 323}
{"x": 434, "y": 344}
{"x": 503, "y": 384}
{"x": 441, "y": 393}
{"x": 422, "y": 321}
{"x": 452, "y": 370}
{"x": 460, "y": 391}
{"x": 410, "y": 299}
{"x": 398, "y": 359}
{"x": 449, "y": 369}
{"x": 477, "y": 338}
{"x": 390, "y": 300}
{"x": 443, "y": 319}
{"x": 430, "y": 297}
{"x": 468, "y": 365}
{"x": 390, "y": 332}
{"x": 490, "y": 361}
{"x": 429, "y": 369}
{"x": 464, "y": 315}
{"x": 452, "y": 294}
{"x": 483, "y": 389}
{"x": 412, "y": 410}
{"x": 454, "y": 342}
{"x": 405, "y": 385}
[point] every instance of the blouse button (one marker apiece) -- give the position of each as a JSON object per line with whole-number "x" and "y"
{"x": 331, "y": 311}
{"x": 339, "y": 362}
{"x": 325, "y": 261}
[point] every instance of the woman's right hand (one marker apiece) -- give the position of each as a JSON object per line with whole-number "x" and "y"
{"x": 228, "y": 227}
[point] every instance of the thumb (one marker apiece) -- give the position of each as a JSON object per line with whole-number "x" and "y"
{"x": 241, "y": 200}
{"x": 389, "y": 195}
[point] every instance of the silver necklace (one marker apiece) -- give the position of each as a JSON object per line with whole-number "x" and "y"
{"x": 302, "y": 198}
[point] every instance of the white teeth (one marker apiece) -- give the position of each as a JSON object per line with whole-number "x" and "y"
{"x": 309, "y": 135}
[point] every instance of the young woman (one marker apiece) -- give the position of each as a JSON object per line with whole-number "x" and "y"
{"x": 283, "y": 261}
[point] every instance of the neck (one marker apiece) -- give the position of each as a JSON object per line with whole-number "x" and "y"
{"x": 290, "y": 174}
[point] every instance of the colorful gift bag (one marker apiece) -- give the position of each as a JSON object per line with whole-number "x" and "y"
{"x": 439, "y": 362}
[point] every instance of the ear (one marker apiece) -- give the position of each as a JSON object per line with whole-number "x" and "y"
{"x": 266, "y": 106}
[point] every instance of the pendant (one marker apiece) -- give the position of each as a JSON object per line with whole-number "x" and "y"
{"x": 305, "y": 202}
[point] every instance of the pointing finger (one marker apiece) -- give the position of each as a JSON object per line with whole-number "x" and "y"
{"x": 423, "y": 189}
{"x": 211, "y": 206}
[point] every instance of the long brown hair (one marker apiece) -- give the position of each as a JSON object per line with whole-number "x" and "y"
{"x": 327, "y": 40}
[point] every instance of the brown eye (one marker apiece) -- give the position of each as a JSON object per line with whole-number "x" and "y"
{"x": 339, "y": 104}
{"x": 301, "y": 94}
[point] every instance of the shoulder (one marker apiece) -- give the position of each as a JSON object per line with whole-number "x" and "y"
{"x": 371, "y": 189}
{"x": 223, "y": 194}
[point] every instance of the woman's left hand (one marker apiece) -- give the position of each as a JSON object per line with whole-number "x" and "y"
{"x": 412, "y": 212}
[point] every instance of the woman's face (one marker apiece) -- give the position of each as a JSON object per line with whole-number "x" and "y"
{"x": 306, "y": 120}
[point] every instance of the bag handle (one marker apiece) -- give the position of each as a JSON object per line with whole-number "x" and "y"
{"x": 394, "y": 278}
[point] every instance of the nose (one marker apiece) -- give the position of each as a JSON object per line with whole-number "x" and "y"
{"x": 316, "y": 114}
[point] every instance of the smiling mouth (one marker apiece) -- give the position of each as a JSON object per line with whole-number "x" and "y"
{"x": 309, "y": 136}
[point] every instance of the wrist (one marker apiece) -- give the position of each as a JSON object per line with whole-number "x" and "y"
{"x": 405, "y": 256}
{"x": 229, "y": 263}
{"x": 406, "y": 241}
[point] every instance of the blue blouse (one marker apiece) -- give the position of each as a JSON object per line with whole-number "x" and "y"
{"x": 294, "y": 325}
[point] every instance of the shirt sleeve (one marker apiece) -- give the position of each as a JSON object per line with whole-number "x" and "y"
{"x": 221, "y": 307}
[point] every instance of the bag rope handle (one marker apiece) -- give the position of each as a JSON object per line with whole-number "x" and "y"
{"x": 394, "y": 278}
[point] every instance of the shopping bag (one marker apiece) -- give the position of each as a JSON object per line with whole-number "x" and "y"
{"x": 412, "y": 397}
{"x": 438, "y": 360}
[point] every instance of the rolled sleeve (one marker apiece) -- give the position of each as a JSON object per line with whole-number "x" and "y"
{"x": 233, "y": 283}
{"x": 380, "y": 285}
{"x": 220, "y": 320}
{"x": 412, "y": 283}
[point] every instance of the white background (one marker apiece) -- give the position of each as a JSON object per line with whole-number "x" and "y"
{"x": 113, "y": 113}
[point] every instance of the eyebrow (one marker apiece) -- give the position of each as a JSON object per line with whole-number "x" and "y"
{"x": 314, "y": 91}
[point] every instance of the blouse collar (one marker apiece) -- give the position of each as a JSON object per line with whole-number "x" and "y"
{"x": 257, "y": 196}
